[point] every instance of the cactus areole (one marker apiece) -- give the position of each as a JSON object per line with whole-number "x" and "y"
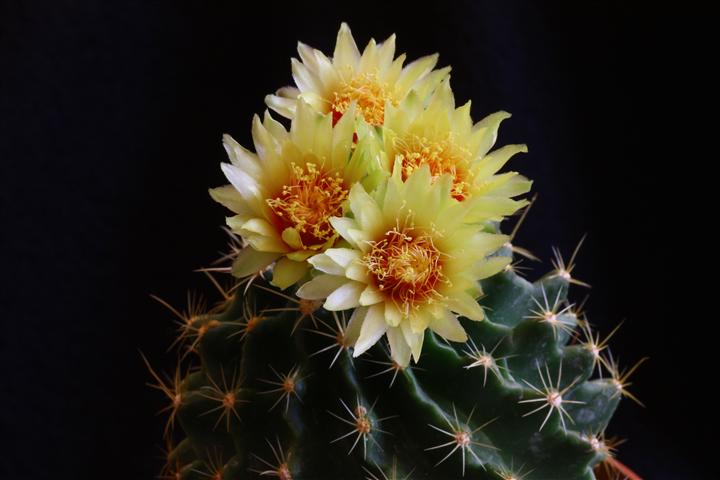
{"x": 374, "y": 325}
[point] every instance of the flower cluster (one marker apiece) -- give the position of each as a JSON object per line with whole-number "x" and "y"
{"x": 382, "y": 197}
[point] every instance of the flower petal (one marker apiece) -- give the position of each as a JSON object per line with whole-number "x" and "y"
{"x": 321, "y": 286}
{"x": 346, "y": 55}
{"x": 449, "y": 327}
{"x": 371, "y": 295}
{"x": 373, "y": 327}
{"x": 292, "y": 238}
{"x": 465, "y": 305}
{"x": 345, "y": 297}
{"x": 287, "y": 272}
{"x": 343, "y": 256}
{"x": 393, "y": 315}
{"x": 490, "y": 266}
{"x": 250, "y": 261}
{"x": 230, "y": 198}
{"x": 414, "y": 340}
{"x": 495, "y": 160}
{"x": 343, "y": 226}
{"x": 326, "y": 264}
{"x": 399, "y": 349}
{"x": 366, "y": 211}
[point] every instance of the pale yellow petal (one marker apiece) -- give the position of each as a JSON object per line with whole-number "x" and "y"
{"x": 491, "y": 266}
{"x": 292, "y": 237}
{"x": 366, "y": 211}
{"x": 326, "y": 264}
{"x": 399, "y": 349}
{"x": 386, "y": 53}
{"x": 346, "y": 55}
{"x": 414, "y": 71}
{"x": 230, "y": 198}
{"x": 393, "y": 315}
{"x": 414, "y": 340}
{"x": 371, "y": 295}
{"x": 449, "y": 327}
{"x": 287, "y": 272}
{"x": 245, "y": 184}
{"x": 465, "y": 305}
{"x": 373, "y": 327}
{"x": 304, "y": 78}
{"x": 321, "y": 286}
{"x": 241, "y": 157}
{"x": 258, "y": 226}
{"x": 358, "y": 272}
{"x": 485, "y": 132}
{"x": 250, "y": 262}
{"x": 343, "y": 226}
{"x": 345, "y": 297}
{"x": 496, "y": 159}
{"x": 343, "y": 256}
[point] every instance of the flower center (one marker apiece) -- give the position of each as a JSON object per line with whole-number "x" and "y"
{"x": 368, "y": 93}
{"x": 442, "y": 156}
{"x": 407, "y": 267}
{"x": 308, "y": 201}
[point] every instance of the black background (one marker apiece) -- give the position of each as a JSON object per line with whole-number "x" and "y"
{"x": 110, "y": 123}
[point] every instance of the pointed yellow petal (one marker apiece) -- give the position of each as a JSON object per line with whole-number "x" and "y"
{"x": 326, "y": 264}
{"x": 399, "y": 349}
{"x": 321, "y": 286}
{"x": 485, "y": 132}
{"x": 345, "y": 297}
{"x": 491, "y": 266}
{"x": 343, "y": 225}
{"x": 495, "y": 160}
{"x": 246, "y": 185}
{"x": 366, "y": 211}
{"x": 414, "y": 71}
{"x": 393, "y": 316}
{"x": 373, "y": 327}
{"x": 371, "y": 296}
{"x": 287, "y": 272}
{"x": 250, "y": 262}
{"x": 241, "y": 157}
{"x": 343, "y": 256}
{"x": 304, "y": 78}
{"x": 449, "y": 327}
{"x": 230, "y": 198}
{"x": 465, "y": 305}
{"x": 292, "y": 238}
{"x": 358, "y": 272}
{"x": 346, "y": 55}
{"x": 414, "y": 340}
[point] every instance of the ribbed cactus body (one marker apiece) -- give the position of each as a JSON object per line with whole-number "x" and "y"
{"x": 277, "y": 393}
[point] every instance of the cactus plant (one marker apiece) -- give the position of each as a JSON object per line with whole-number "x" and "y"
{"x": 375, "y": 326}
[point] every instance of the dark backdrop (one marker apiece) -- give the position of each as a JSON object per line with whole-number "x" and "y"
{"x": 110, "y": 123}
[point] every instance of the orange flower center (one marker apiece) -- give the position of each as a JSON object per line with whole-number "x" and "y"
{"x": 441, "y": 155}
{"x": 407, "y": 267}
{"x": 308, "y": 201}
{"x": 368, "y": 93}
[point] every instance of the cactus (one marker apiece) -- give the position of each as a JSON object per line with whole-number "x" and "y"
{"x": 285, "y": 382}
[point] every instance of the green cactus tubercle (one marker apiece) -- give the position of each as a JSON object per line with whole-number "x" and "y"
{"x": 278, "y": 393}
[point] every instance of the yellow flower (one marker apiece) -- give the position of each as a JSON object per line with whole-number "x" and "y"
{"x": 284, "y": 195}
{"x": 444, "y": 138}
{"x": 372, "y": 79}
{"x": 412, "y": 263}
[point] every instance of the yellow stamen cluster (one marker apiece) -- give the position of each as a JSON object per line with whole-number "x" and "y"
{"x": 442, "y": 156}
{"x": 407, "y": 267}
{"x": 369, "y": 94}
{"x": 308, "y": 202}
